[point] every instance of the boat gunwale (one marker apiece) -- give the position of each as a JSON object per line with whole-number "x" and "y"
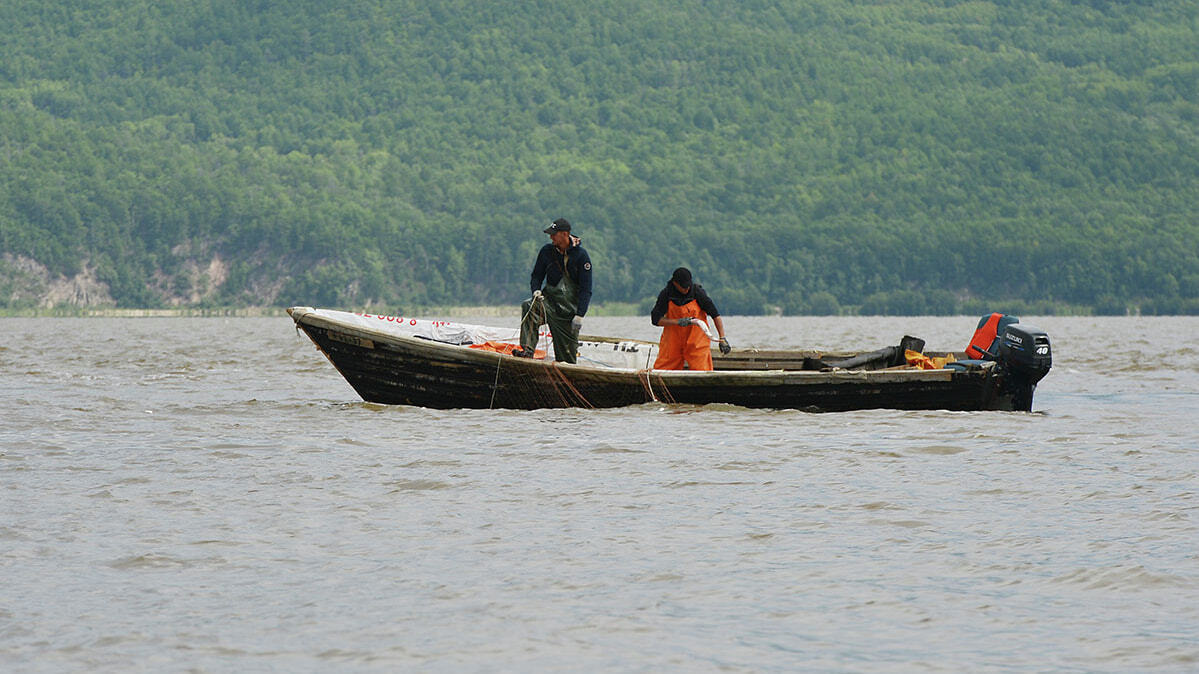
{"x": 488, "y": 358}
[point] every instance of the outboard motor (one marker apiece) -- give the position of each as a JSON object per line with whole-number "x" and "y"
{"x": 1025, "y": 353}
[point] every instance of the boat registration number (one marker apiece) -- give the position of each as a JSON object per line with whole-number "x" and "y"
{"x": 352, "y": 340}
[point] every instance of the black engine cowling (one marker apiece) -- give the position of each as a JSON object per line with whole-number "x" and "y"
{"x": 1025, "y": 353}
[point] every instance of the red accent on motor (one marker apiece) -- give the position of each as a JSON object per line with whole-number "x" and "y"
{"x": 984, "y": 337}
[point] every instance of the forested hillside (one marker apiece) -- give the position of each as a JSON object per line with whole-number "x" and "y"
{"x": 821, "y": 156}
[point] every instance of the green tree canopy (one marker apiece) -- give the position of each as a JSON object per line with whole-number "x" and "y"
{"x": 909, "y": 156}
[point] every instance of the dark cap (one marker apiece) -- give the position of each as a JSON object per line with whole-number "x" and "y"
{"x": 682, "y": 276}
{"x": 559, "y": 225}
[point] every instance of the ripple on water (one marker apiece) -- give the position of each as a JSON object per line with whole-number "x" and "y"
{"x": 417, "y": 485}
{"x": 943, "y": 450}
{"x": 1130, "y": 578}
{"x": 150, "y": 560}
{"x": 608, "y": 449}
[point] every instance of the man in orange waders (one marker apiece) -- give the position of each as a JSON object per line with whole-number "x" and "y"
{"x": 682, "y": 306}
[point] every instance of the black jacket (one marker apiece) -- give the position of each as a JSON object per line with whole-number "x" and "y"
{"x": 548, "y": 269}
{"x": 671, "y": 294}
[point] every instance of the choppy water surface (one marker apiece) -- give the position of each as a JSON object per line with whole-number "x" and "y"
{"x": 209, "y": 494}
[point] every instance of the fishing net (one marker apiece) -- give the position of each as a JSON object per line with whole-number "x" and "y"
{"x": 538, "y": 385}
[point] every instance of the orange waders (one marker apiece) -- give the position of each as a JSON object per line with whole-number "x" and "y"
{"x": 679, "y": 344}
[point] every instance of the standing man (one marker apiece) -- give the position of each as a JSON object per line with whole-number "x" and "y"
{"x": 681, "y": 309}
{"x": 565, "y": 268}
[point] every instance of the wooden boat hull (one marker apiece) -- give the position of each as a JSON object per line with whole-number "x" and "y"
{"x": 398, "y": 370}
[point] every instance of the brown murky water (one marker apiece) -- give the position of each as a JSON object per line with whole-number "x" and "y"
{"x": 209, "y": 494}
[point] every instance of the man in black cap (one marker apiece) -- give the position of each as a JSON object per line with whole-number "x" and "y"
{"x": 682, "y": 310}
{"x": 565, "y": 268}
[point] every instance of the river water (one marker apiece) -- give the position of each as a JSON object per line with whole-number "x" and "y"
{"x": 207, "y": 494}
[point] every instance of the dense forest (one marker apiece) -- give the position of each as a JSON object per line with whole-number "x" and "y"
{"x": 812, "y": 156}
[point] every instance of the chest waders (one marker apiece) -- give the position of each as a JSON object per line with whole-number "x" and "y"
{"x": 684, "y": 344}
{"x": 557, "y": 308}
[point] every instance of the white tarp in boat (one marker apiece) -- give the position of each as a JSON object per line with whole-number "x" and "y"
{"x": 626, "y": 354}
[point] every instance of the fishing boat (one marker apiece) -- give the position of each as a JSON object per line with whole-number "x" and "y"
{"x": 442, "y": 364}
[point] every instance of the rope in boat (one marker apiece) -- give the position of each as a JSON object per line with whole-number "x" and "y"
{"x": 549, "y": 388}
{"x": 644, "y": 377}
{"x": 667, "y": 396}
{"x": 570, "y": 386}
{"x": 500, "y": 359}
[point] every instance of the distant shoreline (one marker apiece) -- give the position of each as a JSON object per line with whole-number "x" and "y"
{"x": 242, "y": 312}
{"x": 503, "y": 311}
{"x": 113, "y": 312}
{"x": 609, "y": 309}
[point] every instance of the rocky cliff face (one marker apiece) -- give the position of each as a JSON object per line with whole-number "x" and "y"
{"x": 197, "y": 281}
{"x": 26, "y": 283}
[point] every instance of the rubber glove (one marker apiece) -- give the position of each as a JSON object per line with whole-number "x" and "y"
{"x": 686, "y": 321}
{"x": 576, "y": 324}
{"x": 724, "y": 346}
